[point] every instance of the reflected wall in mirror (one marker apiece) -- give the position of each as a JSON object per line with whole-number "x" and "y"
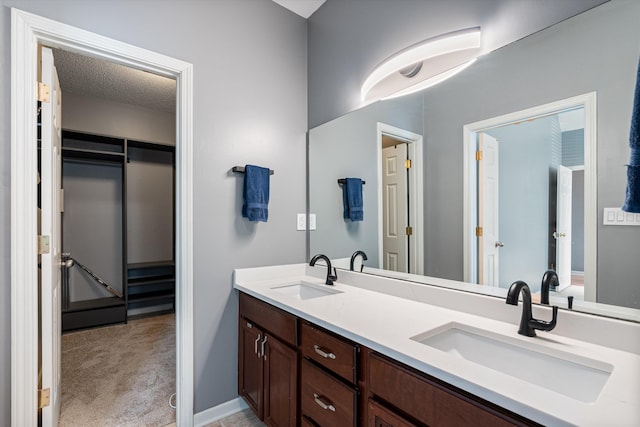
{"x": 596, "y": 51}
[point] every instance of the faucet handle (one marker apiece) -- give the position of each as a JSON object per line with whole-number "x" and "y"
{"x": 543, "y": 325}
{"x": 332, "y": 277}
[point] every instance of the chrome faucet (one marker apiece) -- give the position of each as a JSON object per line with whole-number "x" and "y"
{"x": 330, "y": 277}
{"x": 528, "y": 324}
{"x": 549, "y": 279}
{"x": 353, "y": 259}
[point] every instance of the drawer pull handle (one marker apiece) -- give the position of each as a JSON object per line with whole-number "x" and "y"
{"x": 262, "y": 350}
{"x": 255, "y": 346}
{"x": 321, "y": 403}
{"x": 323, "y": 353}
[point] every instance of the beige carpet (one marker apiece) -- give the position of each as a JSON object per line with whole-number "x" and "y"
{"x": 120, "y": 375}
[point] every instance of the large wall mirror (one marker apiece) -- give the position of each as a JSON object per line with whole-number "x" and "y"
{"x": 550, "y": 114}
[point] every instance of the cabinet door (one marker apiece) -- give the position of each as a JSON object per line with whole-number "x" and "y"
{"x": 250, "y": 367}
{"x": 280, "y": 383}
{"x": 379, "y": 416}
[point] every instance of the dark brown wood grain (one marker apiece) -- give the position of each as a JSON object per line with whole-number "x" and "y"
{"x": 278, "y": 322}
{"x": 315, "y": 383}
{"x": 314, "y": 341}
{"x": 280, "y": 384}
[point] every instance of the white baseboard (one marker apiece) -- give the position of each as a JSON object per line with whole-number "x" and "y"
{"x": 218, "y": 412}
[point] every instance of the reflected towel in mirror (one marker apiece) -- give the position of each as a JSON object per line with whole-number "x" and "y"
{"x": 632, "y": 196}
{"x": 352, "y": 199}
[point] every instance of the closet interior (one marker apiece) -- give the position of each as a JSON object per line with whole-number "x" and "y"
{"x": 117, "y": 229}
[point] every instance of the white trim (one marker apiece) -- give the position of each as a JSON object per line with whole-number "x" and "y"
{"x": 589, "y": 102}
{"x": 27, "y": 30}
{"x": 220, "y": 411}
{"x": 416, "y": 190}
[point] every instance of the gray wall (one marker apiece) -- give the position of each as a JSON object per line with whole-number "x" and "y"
{"x": 242, "y": 114}
{"x": 525, "y": 156}
{"x": 92, "y": 226}
{"x": 343, "y": 148}
{"x": 536, "y": 70}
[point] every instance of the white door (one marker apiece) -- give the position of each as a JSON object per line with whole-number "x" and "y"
{"x": 563, "y": 226}
{"x": 489, "y": 243}
{"x": 50, "y": 226}
{"x": 394, "y": 204}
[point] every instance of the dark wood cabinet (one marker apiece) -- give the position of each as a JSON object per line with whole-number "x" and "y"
{"x": 267, "y": 364}
{"x": 379, "y": 416}
{"x": 250, "y": 366}
{"x": 325, "y": 399}
{"x": 430, "y": 401}
{"x": 280, "y": 383}
{"x": 339, "y": 383}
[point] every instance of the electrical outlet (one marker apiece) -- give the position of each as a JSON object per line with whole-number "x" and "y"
{"x": 302, "y": 222}
{"x": 312, "y": 221}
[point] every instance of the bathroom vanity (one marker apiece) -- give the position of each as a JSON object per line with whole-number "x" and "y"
{"x": 312, "y": 354}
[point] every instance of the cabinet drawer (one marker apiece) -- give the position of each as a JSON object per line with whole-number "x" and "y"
{"x": 330, "y": 351}
{"x": 379, "y": 416}
{"x": 270, "y": 318}
{"x": 326, "y": 400}
{"x": 430, "y": 402}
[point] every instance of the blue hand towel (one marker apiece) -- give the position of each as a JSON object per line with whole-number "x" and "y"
{"x": 255, "y": 193}
{"x": 632, "y": 196}
{"x": 352, "y": 199}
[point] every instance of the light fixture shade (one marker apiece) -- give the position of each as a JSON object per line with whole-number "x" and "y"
{"x": 422, "y": 65}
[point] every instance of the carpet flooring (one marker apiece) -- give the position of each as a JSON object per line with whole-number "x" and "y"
{"x": 120, "y": 375}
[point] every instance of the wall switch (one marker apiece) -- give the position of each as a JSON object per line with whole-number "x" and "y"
{"x": 302, "y": 222}
{"x": 312, "y": 221}
{"x": 616, "y": 216}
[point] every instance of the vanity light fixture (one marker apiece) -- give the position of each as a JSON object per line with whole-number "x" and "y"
{"x": 423, "y": 65}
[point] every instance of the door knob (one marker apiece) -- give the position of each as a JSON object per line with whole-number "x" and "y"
{"x": 499, "y": 244}
{"x": 557, "y": 235}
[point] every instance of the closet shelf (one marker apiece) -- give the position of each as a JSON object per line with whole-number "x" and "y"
{"x": 142, "y": 281}
{"x": 152, "y": 296}
{"x": 150, "y": 264}
{"x": 93, "y": 304}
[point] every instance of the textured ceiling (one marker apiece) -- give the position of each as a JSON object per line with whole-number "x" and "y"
{"x": 83, "y": 75}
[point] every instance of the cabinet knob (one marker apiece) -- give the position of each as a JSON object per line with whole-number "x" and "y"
{"x": 324, "y": 353}
{"x": 323, "y": 403}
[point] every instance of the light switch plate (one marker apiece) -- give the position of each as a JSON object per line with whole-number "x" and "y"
{"x": 616, "y": 216}
{"x": 302, "y": 222}
{"x": 312, "y": 221}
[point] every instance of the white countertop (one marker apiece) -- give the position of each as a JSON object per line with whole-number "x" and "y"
{"x": 386, "y": 323}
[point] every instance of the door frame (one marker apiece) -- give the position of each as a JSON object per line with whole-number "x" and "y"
{"x": 416, "y": 184}
{"x": 27, "y": 31}
{"x": 588, "y": 101}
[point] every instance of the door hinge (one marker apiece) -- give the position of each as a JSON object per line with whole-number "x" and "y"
{"x": 407, "y": 164}
{"x": 43, "y": 92}
{"x": 478, "y": 231}
{"x": 62, "y": 200}
{"x": 44, "y": 398}
{"x": 478, "y": 155}
{"x": 409, "y": 231}
{"x": 43, "y": 245}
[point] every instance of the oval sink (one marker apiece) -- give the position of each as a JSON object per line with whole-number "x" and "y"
{"x": 304, "y": 291}
{"x": 571, "y": 375}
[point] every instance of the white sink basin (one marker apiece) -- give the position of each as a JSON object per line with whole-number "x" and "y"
{"x": 574, "y": 376}
{"x": 303, "y": 291}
